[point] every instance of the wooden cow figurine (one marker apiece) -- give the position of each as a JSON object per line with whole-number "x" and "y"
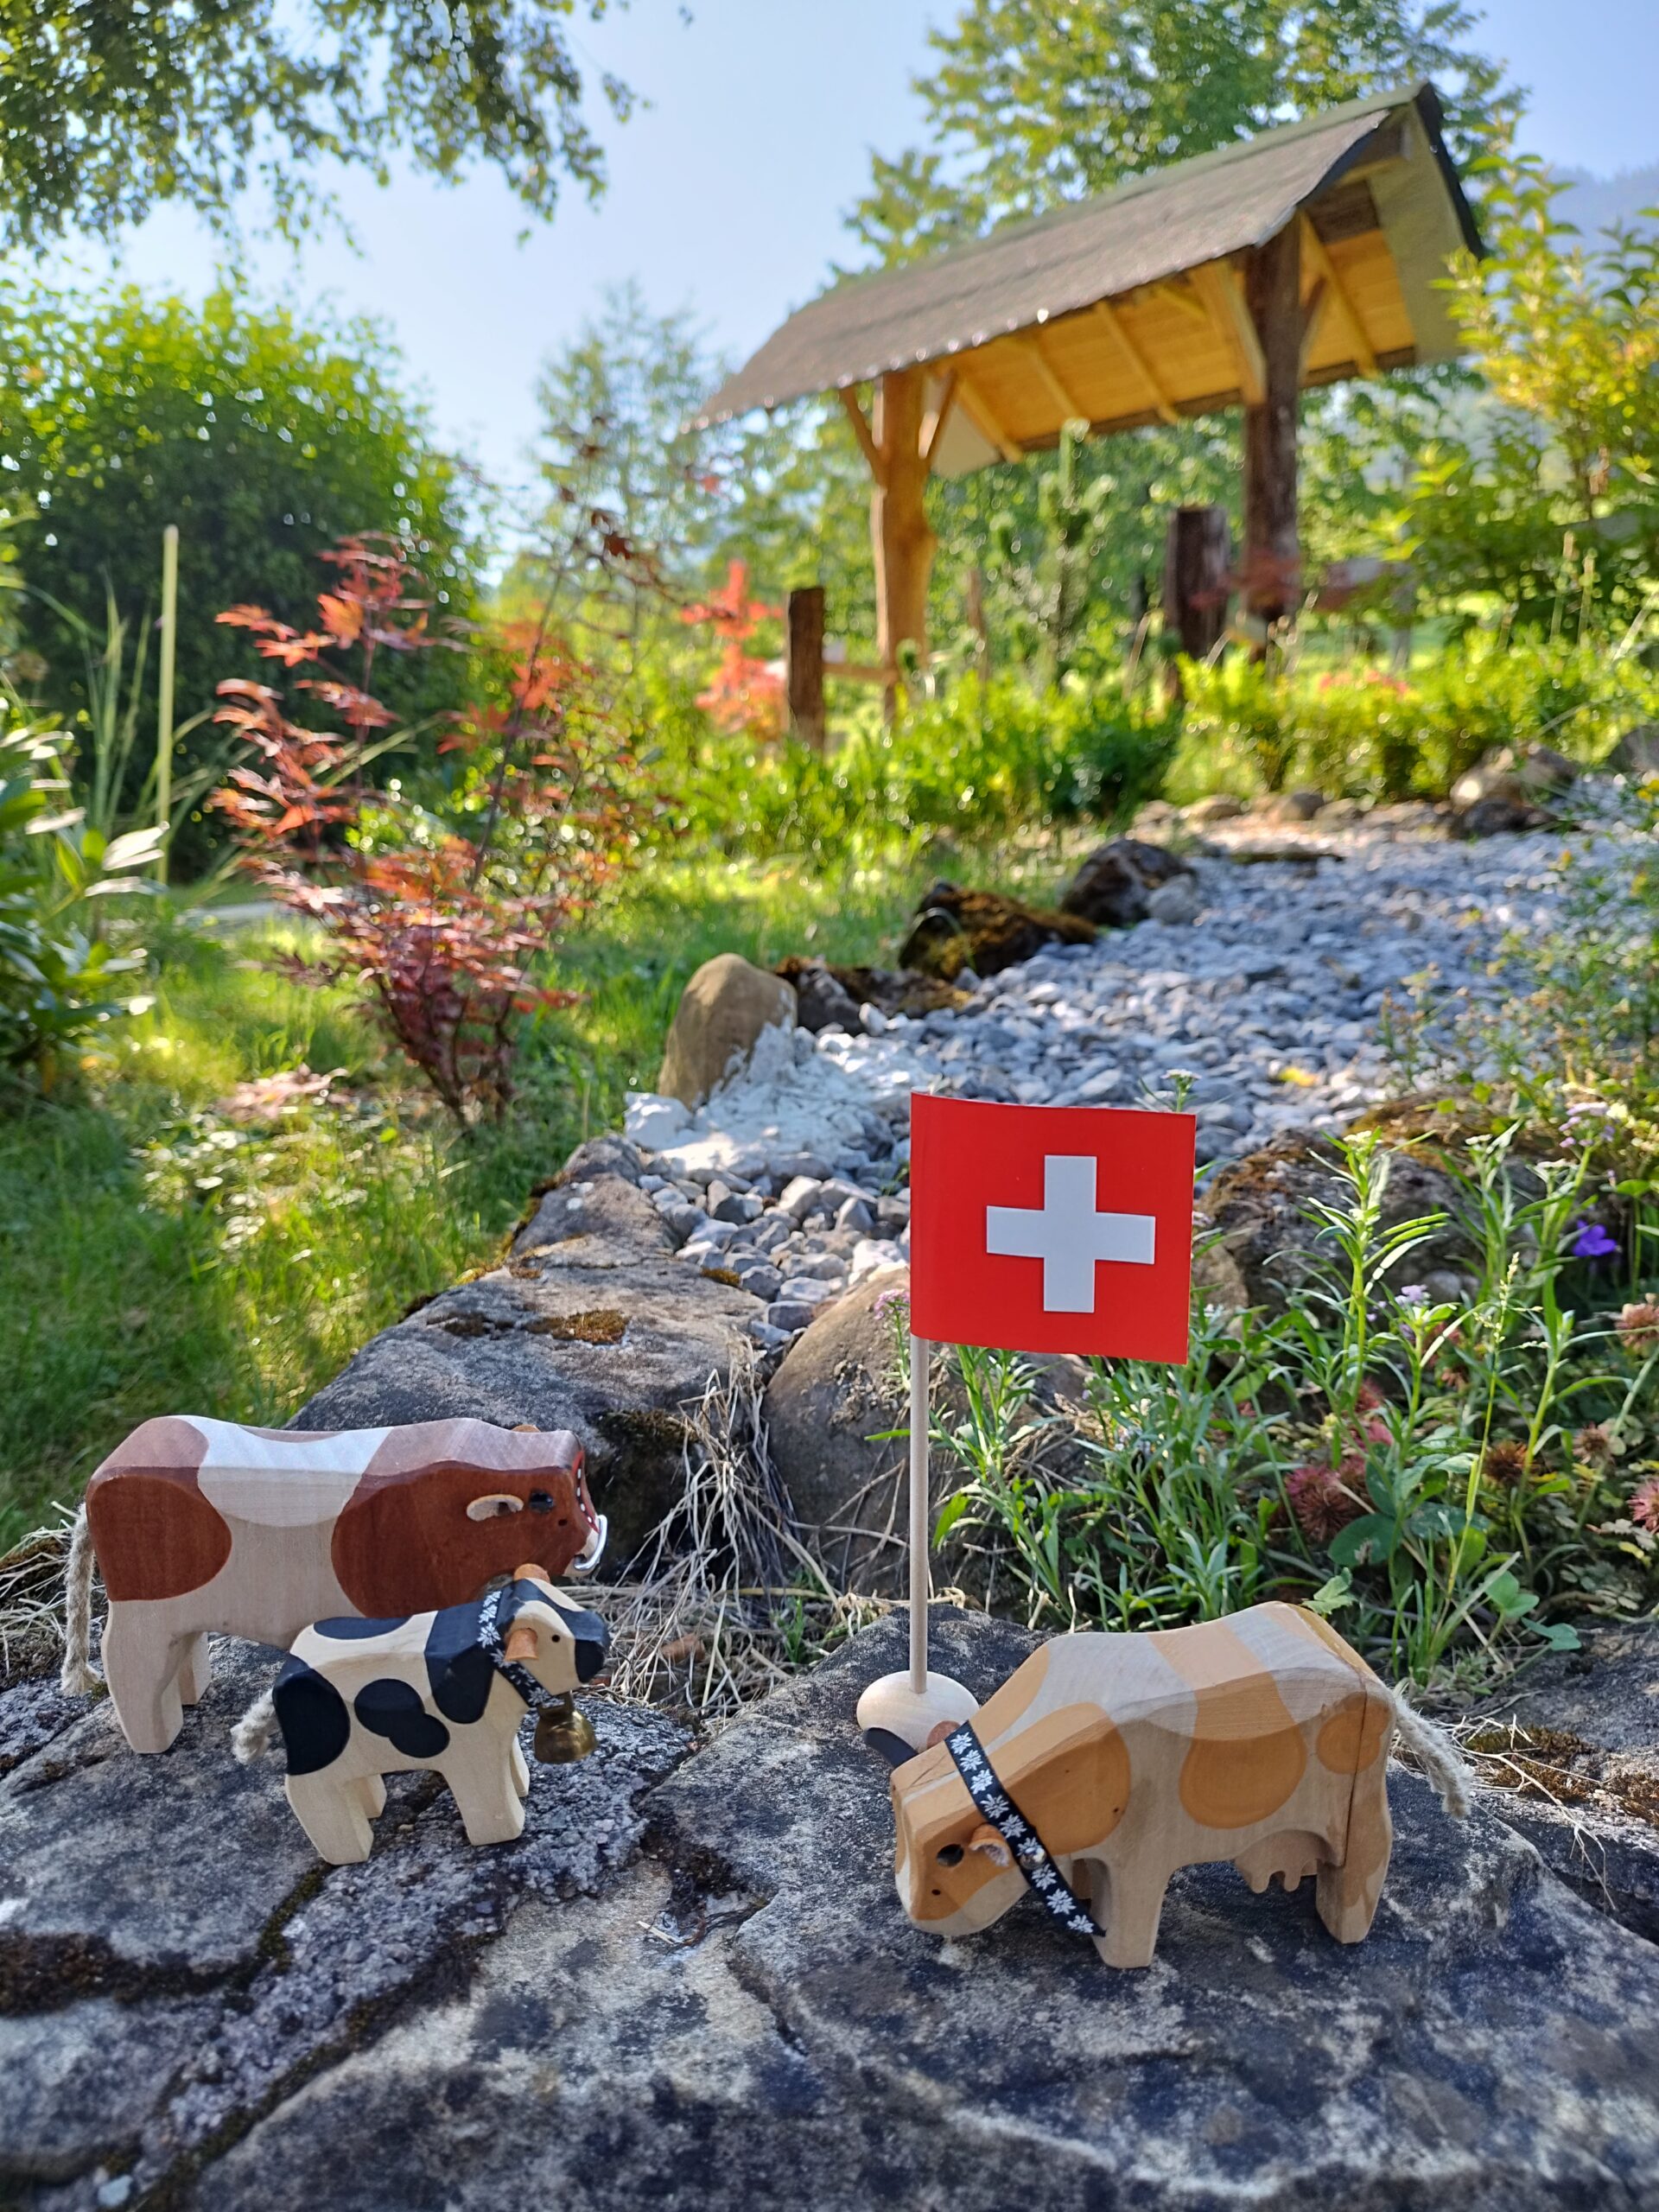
{"x": 1106, "y": 1762}
{"x": 203, "y": 1525}
{"x": 360, "y": 1698}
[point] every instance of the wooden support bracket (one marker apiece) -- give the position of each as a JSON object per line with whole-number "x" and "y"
{"x": 863, "y": 432}
{"x": 1325, "y": 270}
{"x": 985, "y": 418}
{"x": 1314, "y": 307}
{"x": 933, "y": 423}
{"x": 1031, "y": 344}
{"x": 1217, "y": 285}
{"x": 1137, "y": 358}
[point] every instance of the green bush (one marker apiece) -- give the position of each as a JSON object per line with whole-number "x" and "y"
{"x": 982, "y": 762}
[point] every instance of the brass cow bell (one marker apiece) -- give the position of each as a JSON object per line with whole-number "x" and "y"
{"x": 563, "y": 1734}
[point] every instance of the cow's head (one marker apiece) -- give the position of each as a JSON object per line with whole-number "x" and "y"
{"x": 561, "y": 1644}
{"x": 955, "y": 1873}
{"x": 423, "y": 1534}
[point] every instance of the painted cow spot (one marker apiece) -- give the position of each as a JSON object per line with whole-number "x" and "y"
{"x": 1069, "y": 1774}
{"x": 393, "y": 1709}
{"x": 311, "y": 1712}
{"x": 347, "y": 1629}
{"x": 1246, "y": 1755}
{"x": 1351, "y": 1738}
{"x": 155, "y": 1535}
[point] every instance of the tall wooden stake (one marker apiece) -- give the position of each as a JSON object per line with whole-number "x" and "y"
{"x": 921, "y": 1530}
{"x": 803, "y": 665}
{"x": 1272, "y": 554}
{"x": 164, "y": 692}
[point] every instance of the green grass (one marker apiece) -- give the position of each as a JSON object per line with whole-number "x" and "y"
{"x": 157, "y": 1257}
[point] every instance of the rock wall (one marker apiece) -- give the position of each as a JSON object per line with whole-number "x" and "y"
{"x": 689, "y": 1985}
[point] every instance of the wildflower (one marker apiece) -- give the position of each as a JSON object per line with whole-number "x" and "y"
{"x": 1591, "y": 1241}
{"x": 1644, "y": 1504}
{"x": 1414, "y": 1295}
{"x": 1596, "y": 1444}
{"x": 1321, "y": 1499}
{"x": 1639, "y": 1325}
{"x": 1504, "y": 1465}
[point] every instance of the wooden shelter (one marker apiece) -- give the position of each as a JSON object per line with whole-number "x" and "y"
{"x": 1301, "y": 257}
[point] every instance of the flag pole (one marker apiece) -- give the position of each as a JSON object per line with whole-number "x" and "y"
{"x": 900, "y": 1714}
{"x": 920, "y": 1517}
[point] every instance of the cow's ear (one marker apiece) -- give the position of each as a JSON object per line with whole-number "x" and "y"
{"x": 531, "y": 1572}
{"x": 523, "y": 1644}
{"x": 990, "y": 1845}
{"x": 494, "y": 1506}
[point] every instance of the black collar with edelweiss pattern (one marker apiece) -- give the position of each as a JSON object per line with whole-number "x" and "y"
{"x": 1054, "y": 1893}
{"x": 492, "y": 1642}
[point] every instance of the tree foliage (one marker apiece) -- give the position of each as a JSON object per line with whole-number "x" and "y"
{"x": 1035, "y": 102}
{"x": 264, "y": 438}
{"x": 108, "y": 107}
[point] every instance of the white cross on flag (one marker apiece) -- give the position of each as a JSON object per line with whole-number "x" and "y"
{"x": 1050, "y": 1228}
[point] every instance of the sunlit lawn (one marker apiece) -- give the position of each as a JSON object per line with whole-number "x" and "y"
{"x": 158, "y": 1256}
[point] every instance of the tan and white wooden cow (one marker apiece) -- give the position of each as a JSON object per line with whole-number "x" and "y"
{"x": 1106, "y": 1762}
{"x": 204, "y": 1525}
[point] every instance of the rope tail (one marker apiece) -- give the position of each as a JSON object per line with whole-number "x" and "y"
{"x": 250, "y": 1738}
{"x": 1443, "y": 1764}
{"x": 77, "y": 1678}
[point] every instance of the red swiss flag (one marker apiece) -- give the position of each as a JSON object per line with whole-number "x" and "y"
{"x": 1050, "y": 1228}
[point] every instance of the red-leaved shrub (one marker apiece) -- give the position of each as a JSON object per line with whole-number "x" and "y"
{"x": 440, "y": 918}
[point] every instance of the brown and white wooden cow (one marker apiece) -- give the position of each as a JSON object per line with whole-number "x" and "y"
{"x": 1262, "y": 1738}
{"x": 202, "y": 1525}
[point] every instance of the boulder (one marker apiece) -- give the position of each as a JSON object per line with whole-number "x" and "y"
{"x": 722, "y": 1010}
{"x": 1175, "y": 903}
{"x": 1112, "y": 884}
{"x": 689, "y": 1985}
{"x": 956, "y": 930}
{"x": 1518, "y": 776}
{"x": 830, "y": 1407}
{"x": 1266, "y": 1245}
{"x": 1499, "y": 816}
{"x": 1220, "y": 806}
{"x": 1574, "y": 1748}
{"x": 1636, "y": 753}
{"x": 592, "y": 1325}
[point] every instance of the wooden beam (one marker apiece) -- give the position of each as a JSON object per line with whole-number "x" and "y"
{"x": 863, "y": 432}
{"x": 933, "y": 423}
{"x": 901, "y": 536}
{"x": 1136, "y": 359}
{"x": 1314, "y": 304}
{"x": 1217, "y": 285}
{"x": 1031, "y": 344}
{"x": 985, "y": 417}
{"x": 1271, "y": 575}
{"x": 1181, "y": 295}
{"x": 1324, "y": 268}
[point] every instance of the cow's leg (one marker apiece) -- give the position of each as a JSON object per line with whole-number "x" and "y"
{"x": 480, "y": 1775}
{"x": 142, "y": 1656}
{"x": 1128, "y": 1903}
{"x": 195, "y": 1671}
{"x": 520, "y": 1769}
{"x": 371, "y": 1789}
{"x": 1347, "y": 1895}
{"x": 332, "y": 1813}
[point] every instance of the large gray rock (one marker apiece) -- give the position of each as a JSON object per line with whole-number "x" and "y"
{"x": 1574, "y": 1747}
{"x": 1267, "y": 1246}
{"x": 592, "y": 1326}
{"x": 1114, "y": 882}
{"x": 722, "y": 1010}
{"x": 689, "y": 1985}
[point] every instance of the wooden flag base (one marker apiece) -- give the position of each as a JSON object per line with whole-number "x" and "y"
{"x": 901, "y": 1714}
{"x": 897, "y": 1719}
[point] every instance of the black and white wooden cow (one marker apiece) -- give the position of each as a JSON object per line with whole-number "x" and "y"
{"x": 358, "y": 1700}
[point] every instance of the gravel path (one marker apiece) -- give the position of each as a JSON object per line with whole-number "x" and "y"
{"x": 1271, "y": 998}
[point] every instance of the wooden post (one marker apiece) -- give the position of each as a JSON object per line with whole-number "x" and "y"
{"x": 899, "y": 529}
{"x": 803, "y": 665}
{"x": 164, "y": 694}
{"x": 1197, "y": 557}
{"x": 1272, "y": 555}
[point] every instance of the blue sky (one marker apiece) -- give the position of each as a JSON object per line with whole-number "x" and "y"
{"x": 727, "y": 193}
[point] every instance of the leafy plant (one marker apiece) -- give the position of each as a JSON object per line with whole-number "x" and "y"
{"x": 60, "y": 977}
{"x": 440, "y": 918}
